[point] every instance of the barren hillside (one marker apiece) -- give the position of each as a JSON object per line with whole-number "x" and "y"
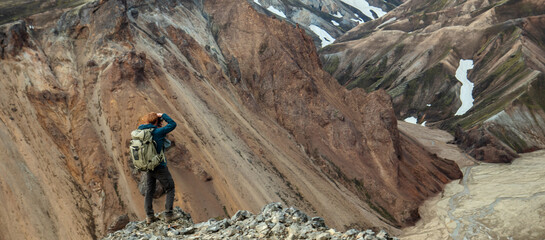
{"x": 258, "y": 121}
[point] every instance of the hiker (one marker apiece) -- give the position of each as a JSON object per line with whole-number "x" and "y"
{"x": 161, "y": 173}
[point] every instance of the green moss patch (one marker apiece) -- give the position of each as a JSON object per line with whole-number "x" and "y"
{"x": 426, "y": 80}
{"x": 374, "y": 72}
{"x": 12, "y": 10}
{"x": 535, "y": 97}
{"x": 331, "y": 64}
{"x": 507, "y": 70}
{"x": 495, "y": 104}
{"x": 509, "y": 138}
{"x": 346, "y": 75}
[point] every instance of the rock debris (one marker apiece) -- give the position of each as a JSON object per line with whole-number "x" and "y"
{"x": 273, "y": 222}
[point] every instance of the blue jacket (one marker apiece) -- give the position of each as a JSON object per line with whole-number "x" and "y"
{"x": 159, "y": 134}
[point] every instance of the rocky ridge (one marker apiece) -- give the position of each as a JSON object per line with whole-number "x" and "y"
{"x": 273, "y": 222}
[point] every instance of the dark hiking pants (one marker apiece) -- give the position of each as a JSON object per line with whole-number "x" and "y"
{"x": 163, "y": 175}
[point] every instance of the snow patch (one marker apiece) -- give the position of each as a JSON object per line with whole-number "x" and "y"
{"x": 337, "y": 15}
{"x": 276, "y": 11}
{"x": 424, "y": 123}
{"x": 257, "y": 2}
{"x": 467, "y": 87}
{"x": 412, "y": 120}
{"x": 324, "y": 36}
{"x": 335, "y": 23}
{"x": 357, "y": 20}
{"x": 365, "y": 8}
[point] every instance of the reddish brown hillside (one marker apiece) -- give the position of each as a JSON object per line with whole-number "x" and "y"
{"x": 258, "y": 121}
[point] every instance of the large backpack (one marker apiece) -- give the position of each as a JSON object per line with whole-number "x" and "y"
{"x": 143, "y": 153}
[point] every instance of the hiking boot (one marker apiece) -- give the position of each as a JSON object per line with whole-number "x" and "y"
{"x": 171, "y": 217}
{"x": 151, "y": 219}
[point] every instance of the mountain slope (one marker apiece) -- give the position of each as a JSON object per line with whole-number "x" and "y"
{"x": 325, "y": 20}
{"x": 258, "y": 121}
{"x": 414, "y": 51}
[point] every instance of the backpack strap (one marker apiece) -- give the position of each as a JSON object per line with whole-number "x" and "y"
{"x": 162, "y": 153}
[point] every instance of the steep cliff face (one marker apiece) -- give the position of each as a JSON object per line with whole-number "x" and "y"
{"x": 414, "y": 52}
{"x": 258, "y": 121}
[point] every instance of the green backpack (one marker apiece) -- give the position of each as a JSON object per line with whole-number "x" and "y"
{"x": 143, "y": 153}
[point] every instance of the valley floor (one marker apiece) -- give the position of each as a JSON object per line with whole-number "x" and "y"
{"x": 492, "y": 201}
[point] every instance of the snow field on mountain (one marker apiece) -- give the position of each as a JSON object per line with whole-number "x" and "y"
{"x": 466, "y": 90}
{"x": 324, "y": 36}
{"x": 365, "y": 8}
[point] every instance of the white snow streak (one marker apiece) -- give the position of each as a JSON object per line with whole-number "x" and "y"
{"x": 335, "y": 23}
{"x": 324, "y": 36}
{"x": 337, "y": 15}
{"x": 386, "y": 22}
{"x": 359, "y": 20}
{"x": 467, "y": 87}
{"x": 365, "y": 8}
{"x": 258, "y": 3}
{"x": 276, "y": 11}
